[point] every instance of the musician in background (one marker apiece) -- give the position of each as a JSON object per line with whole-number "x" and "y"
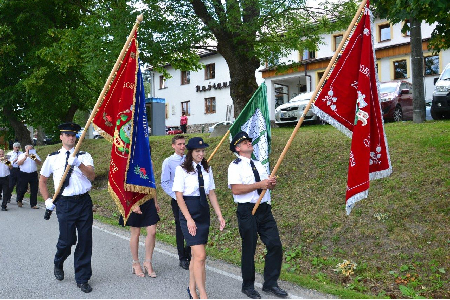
{"x": 5, "y": 166}
{"x": 14, "y": 172}
{"x": 28, "y": 175}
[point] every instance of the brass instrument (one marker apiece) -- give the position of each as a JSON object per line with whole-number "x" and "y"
{"x": 5, "y": 161}
{"x": 33, "y": 156}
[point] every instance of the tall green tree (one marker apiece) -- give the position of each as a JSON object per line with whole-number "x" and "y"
{"x": 246, "y": 33}
{"x": 416, "y": 11}
{"x": 56, "y": 55}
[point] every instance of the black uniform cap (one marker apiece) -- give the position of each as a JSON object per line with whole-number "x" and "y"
{"x": 241, "y": 136}
{"x": 196, "y": 143}
{"x": 70, "y": 128}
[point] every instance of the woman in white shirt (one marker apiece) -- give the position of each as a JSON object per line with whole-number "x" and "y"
{"x": 194, "y": 208}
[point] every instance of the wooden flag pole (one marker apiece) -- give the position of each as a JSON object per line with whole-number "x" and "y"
{"x": 220, "y": 143}
{"x": 100, "y": 99}
{"x": 302, "y": 118}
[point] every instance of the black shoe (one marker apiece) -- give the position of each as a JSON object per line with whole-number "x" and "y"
{"x": 85, "y": 287}
{"x": 251, "y": 293}
{"x": 4, "y": 209}
{"x": 59, "y": 273}
{"x": 184, "y": 263}
{"x": 276, "y": 291}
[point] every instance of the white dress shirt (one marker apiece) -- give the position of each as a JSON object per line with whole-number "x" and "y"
{"x": 78, "y": 182}
{"x": 13, "y": 157}
{"x": 187, "y": 183}
{"x": 168, "y": 172}
{"x": 4, "y": 170}
{"x": 240, "y": 172}
{"x": 29, "y": 165}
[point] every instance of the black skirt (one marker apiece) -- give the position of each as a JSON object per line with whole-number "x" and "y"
{"x": 148, "y": 217}
{"x": 201, "y": 215}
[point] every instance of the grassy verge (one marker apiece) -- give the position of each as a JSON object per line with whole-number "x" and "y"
{"x": 396, "y": 241}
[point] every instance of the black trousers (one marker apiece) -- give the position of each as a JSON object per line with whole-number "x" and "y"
{"x": 4, "y": 187}
{"x": 22, "y": 186}
{"x": 13, "y": 180}
{"x": 75, "y": 216}
{"x": 184, "y": 252}
{"x": 264, "y": 225}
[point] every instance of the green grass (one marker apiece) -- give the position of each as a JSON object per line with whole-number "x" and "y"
{"x": 399, "y": 236}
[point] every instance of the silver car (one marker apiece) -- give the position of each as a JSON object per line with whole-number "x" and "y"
{"x": 290, "y": 113}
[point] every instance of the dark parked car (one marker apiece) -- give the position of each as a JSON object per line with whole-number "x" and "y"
{"x": 396, "y": 100}
{"x": 172, "y": 130}
{"x": 440, "y": 106}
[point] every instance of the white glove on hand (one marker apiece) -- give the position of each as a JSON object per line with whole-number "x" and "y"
{"x": 74, "y": 161}
{"x": 49, "y": 204}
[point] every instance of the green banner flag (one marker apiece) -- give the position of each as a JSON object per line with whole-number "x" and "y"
{"x": 255, "y": 121}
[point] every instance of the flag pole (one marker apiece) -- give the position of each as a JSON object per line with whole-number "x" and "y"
{"x": 313, "y": 96}
{"x": 100, "y": 99}
{"x": 220, "y": 143}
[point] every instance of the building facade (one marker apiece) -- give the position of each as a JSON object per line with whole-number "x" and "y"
{"x": 205, "y": 95}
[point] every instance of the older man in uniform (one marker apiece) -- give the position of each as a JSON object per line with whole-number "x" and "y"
{"x": 247, "y": 178}
{"x": 28, "y": 162}
{"x": 14, "y": 176}
{"x": 74, "y": 205}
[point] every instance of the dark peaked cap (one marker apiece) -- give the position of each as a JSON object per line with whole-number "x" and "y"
{"x": 70, "y": 128}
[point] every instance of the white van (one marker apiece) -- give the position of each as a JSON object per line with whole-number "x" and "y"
{"x": 440, "y": 106}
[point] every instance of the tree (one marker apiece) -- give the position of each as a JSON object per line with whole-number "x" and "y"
{"x": 417, "y": 11}
{"x": 246, "y": 33}
{"x": 56, "y": 55}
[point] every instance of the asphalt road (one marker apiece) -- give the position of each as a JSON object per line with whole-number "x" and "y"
{"x": 27, "y": 248}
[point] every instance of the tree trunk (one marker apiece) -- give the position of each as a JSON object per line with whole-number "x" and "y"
{"x": 417, "y": 71}
{"x": 242, "y": 74}
{"x": 22, "y": 134}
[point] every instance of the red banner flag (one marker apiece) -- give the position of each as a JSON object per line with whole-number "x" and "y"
{"x": 119, "y": 122}
{"x": 348, "y": 100}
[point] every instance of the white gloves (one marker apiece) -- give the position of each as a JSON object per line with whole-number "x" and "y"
{"x": 49, "y": 204}
{"x": 74, "y": 161}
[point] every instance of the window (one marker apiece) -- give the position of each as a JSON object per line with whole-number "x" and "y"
{"x": 406, "y": 22}
{"x": 210, "y": 105}
{"x": 210, "y": 71}
{"x": 281, "y": 94}
{"x": 319, "y": 76}
{"x": 186, "y": 107}
{"x": 431, "y": 65}
{"x": 307, "y": 54}
{"x": 162, "y": 82}
{"x": 400, "y": 69}
{"x": 185, "y": 77}
{"x": 336, "y": 41}
{"x": 384, "y": 32}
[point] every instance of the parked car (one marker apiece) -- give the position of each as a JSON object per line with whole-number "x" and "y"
{"x": 291, "y": 112}
{"x": 225, "y": 123}
{"x": 396, "y": 100}
{"x": 440, "y": 105}
{"x": 172, "y": 130}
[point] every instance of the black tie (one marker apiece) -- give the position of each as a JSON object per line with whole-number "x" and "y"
{"x": 201, "y": 186}
{"x": 255, "y": 172}
{"x": 66, "y": 180}
{"x": 67, "y": 159}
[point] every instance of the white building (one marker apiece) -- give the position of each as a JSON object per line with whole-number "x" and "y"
{"x": 205, "y": 96}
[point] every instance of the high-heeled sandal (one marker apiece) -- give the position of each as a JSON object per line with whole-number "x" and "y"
{"x": 138, "y": 272}
{"x": 189, "y": 293}
{"x": 146, "y": 269}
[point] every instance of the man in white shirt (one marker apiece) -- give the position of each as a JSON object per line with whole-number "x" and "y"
{"x": 246, "y": 179}
{"x": 14, "y": 176}
{"x": 5, "y": 166}
{"x": 167, "y": 175}
{"x": 74, "y": 205}
{"x": 28, "y": 175}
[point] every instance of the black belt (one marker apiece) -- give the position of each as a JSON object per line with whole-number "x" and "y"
{"x": 76, "y": 196}
{"x": 251, "y": 204}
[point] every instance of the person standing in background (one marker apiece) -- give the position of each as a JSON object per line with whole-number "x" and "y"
{"x": 167, "y": 175}
{"x": 183, "y": 122}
